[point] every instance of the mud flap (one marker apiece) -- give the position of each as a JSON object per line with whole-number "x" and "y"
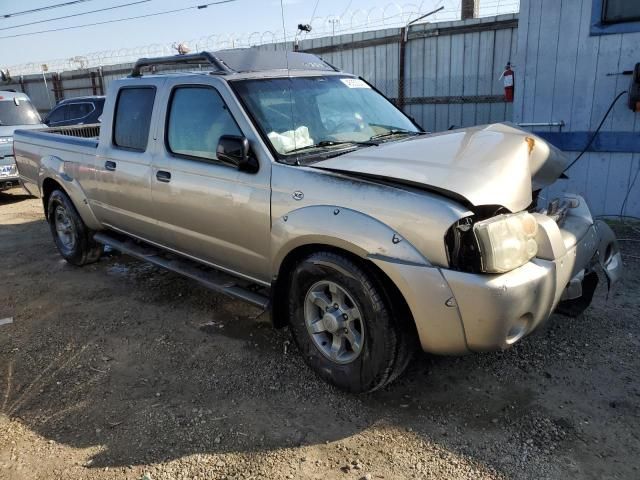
{"x": 574, "y": 307}
{"x": 609, "y": 256}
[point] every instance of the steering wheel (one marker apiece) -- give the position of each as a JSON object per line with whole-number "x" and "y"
{"x": 283, "y": 117}
{"x": 343, "y": 126}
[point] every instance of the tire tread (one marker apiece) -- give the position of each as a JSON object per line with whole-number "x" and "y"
{"x": 397, "y": 332}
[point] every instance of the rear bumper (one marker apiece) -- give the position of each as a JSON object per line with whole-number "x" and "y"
{"x": 9, "y": 182}
{"x": 8, "y": 173}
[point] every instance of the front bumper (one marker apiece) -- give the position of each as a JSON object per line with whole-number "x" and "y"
{"x": 457, "y": 312}
{"x": 498, "y": 310}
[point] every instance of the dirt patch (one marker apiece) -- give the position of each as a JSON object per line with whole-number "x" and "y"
{"x": 120, "y": 370}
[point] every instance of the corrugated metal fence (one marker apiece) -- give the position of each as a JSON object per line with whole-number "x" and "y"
{"x": 566, "y": 74}
{"x": 450, "y": 74}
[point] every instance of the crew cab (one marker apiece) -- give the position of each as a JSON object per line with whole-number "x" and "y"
{"x": 275, "y": 178}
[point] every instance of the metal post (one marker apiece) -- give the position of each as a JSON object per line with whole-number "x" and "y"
{"x": 94, "y": 87}
{"x": 333, "y": 22}
{"x": 469, "y": 9}
{"x": 404, "y": 38}
{"x": 58, "y": 90}
{"x": 403, "y": 44}
{"x": 46, "y": 88}
{"x": 100, "y": 81}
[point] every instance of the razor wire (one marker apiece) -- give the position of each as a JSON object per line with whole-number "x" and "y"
{"x": 391, "y": 15}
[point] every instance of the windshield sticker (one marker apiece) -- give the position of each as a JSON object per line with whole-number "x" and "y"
{"x": 354, "y": 83}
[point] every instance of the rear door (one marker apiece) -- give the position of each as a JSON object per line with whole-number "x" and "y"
{"x": 209, "y": 209}
{"x": 122, "y": 191}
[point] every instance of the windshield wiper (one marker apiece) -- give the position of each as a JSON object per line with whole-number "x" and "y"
{"x": 395, "y": 131}
{"x": 371, "y": 142}
{"x": 331, "y": 143}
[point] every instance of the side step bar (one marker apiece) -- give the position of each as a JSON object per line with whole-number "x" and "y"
{"x": 215, "y": 280}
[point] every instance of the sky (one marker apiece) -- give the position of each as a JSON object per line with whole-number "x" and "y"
{"x": 238, "y": 16}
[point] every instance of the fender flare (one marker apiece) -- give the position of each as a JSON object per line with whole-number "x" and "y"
{"x": 62, "y": 172}
{"x": 343, "y": 228}
{"x": 421, "y": 284}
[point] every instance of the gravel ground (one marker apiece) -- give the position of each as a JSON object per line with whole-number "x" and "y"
{"x": 121, "y": 370}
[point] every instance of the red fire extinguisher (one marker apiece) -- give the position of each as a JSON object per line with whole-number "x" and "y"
{"x": 508, "y": 77}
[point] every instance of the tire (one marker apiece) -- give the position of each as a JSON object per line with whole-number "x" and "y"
{"x": 71, "y": 236}
{"x": 373, "y": 344}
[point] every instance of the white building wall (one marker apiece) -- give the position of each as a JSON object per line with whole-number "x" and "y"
{"x": 561, "y": 75}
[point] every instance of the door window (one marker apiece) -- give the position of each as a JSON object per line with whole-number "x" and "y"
{"x": 197, "y": 118}
{"x": 76, "y": 111}
{"x": 133, "y": 118}
{"x": 56, "y": 115}
{"x": 615, "y": 11}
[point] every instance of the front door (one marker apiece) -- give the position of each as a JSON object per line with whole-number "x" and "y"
{"x": 209, "y": 209}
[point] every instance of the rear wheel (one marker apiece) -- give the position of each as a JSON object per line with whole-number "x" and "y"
{"x": 72, "y": 237}
{"x": 344, "y": 324}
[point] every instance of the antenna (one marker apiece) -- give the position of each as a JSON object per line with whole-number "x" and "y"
{"x": 286, "y": 56}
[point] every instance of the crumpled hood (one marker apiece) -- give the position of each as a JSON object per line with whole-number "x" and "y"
{"x": 495, "y": 164}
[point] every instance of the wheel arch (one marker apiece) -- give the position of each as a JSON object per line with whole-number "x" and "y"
{"x": 55, "y": 173}
{"x": 48, "y": 187}
{"x": 356, "y": 235}
{"x": 280, "y": 284}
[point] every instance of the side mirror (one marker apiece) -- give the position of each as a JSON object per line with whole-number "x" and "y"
{"x": 235, "y": 150}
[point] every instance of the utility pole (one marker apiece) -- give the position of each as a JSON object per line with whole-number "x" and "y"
{"x": 469, "y": 9}
{"x": 45, "y": 68}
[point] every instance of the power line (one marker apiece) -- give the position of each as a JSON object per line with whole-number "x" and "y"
{"x": 195, "y": 7}
{"x": 75, "y": 15}
{"x": 314, "y": 12}
{"x": 41, "y": 9}
{"x": 349, "y": 5}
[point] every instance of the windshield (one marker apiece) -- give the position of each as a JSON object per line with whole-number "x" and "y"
{"x": 300, "y": 115}
{"x": 18, "y": 112}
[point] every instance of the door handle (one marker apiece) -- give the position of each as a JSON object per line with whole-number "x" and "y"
{"x": 109, "y": 165}
{"x": 163, "y": 176}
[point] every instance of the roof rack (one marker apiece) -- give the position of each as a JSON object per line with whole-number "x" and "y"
{"x": 194, "y": 58}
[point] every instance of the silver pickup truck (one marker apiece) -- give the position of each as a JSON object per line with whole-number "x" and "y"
{"x": 287, "y": 183}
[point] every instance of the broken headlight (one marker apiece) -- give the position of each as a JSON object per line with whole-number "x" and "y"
{"x": 506, "y": 241}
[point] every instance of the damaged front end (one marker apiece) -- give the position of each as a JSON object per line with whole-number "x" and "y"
{"x": 563, "y": 233}
{"x": 510, "y": 262}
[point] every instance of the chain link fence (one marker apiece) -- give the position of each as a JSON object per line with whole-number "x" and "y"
{"x": 349, "y": 22}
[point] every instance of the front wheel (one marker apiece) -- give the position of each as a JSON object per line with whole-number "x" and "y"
{"x": 71, "y": 236}
{"x": 343, "y": 323}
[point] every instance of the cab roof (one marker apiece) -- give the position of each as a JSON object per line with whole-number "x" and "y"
{"x": 244, "y": 62}
{"x": 10, "y": 95}
{"x": 84, "y": 98}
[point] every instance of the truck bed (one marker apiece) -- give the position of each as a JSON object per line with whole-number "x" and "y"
{"x": 85, "y": 135}
{"x": 73, "y": 145}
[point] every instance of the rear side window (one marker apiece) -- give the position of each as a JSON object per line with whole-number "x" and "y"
{"x": 79, "y": 110}
{"x": 57, "y": 114}
{"x": 133, "y": 118}
{"x": 198, "y": 117}
{"x": 18, "y": 111}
